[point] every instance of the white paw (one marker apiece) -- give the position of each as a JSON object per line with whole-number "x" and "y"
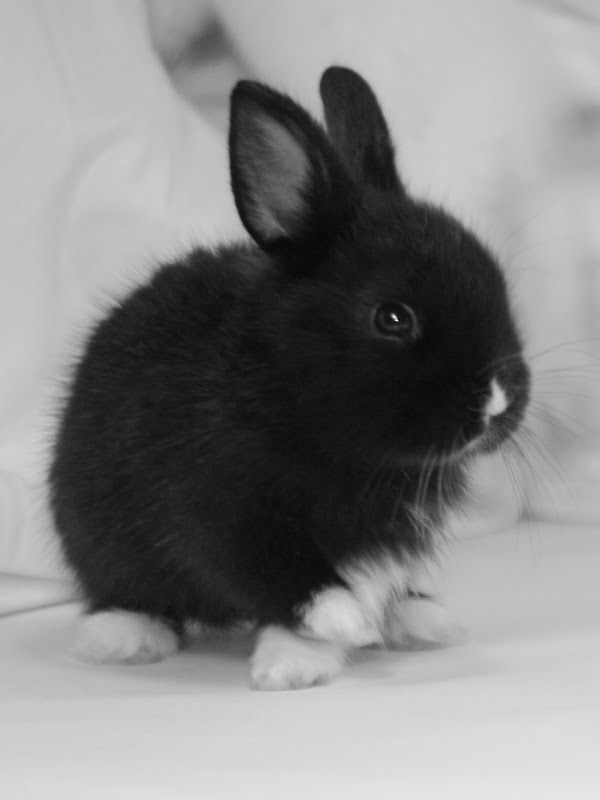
{"x": 336, "y": 615}
{"x": 123, "y": 637}
{"x": 285, "y": 660}
{"x": 421, "y": 623}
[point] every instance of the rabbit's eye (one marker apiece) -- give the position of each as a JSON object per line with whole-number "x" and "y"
{"x": 396, "y": 320}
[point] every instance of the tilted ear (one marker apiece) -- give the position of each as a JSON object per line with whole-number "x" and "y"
{"x": 289, "y": 186}
{"x": 358, "y": 128}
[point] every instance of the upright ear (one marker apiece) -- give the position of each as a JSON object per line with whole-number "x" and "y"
{"x": 289, "y": 186}
{"x": 358, "y": 128}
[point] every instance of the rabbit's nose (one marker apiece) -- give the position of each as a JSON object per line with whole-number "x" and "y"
{"x": 497, "y": 402}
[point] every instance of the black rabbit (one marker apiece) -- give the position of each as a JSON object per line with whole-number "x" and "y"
{"x": 273, "y": 432}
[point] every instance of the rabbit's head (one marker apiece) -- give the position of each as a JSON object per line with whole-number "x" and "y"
{"x": 388, "y": 322}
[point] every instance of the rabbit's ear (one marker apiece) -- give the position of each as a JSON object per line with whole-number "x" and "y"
{"x": 289, "y": 186}
{"x": 358, "y": 128}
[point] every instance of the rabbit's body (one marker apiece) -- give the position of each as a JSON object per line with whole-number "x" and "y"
{"x": 273, "y": 434}
{"x": 177, "y": 448}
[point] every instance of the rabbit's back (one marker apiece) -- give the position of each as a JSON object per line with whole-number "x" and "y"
{"x": 146, "y": 437}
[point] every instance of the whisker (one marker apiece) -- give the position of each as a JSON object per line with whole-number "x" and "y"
{"x": 416, "y": 511}
{"x": 421, "y": 502}
{"x": 560, "y": 397}
{"x": 527, "y": 515}
{"x": 548, "y": 419}
{"x": 582, "y": 374}
{"x": 524, "y": 224}
{"x": 551, "y": 412}
{"x": 500, "y": 360}
{"x": 538, "y": 446}
{"x": 518, "y": 490}
{"x": 563, "y": 345}
{"x": 566, "y": 373}
{"x": 426, "y": 484}
{"x": 520, "y": 463}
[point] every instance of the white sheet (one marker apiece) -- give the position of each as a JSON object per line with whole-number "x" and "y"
{"x": 514, "y": 713}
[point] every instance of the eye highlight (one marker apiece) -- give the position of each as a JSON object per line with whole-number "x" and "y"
{"x": 396, "y": 320}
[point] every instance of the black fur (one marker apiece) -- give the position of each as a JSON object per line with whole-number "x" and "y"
{"x": 358, "y": 128}
{"x": 238, "y": 427}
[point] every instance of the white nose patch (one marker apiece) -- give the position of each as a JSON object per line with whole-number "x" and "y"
{"x": 498, "y": 402}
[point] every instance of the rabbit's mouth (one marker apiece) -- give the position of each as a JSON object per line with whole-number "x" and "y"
{"x": 496, "y": 431}
{"x": 498, "y": 422}
{"x": 486, "y": 442}
{"x": 462, "y": 452}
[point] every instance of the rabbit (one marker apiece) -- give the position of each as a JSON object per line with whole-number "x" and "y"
{"x": 272, "y": 433}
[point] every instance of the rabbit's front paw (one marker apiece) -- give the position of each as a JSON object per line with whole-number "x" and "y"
{"x": 421, "y": 623}
{"x": 334, "y": 614}
{"x": 284, "y": 660}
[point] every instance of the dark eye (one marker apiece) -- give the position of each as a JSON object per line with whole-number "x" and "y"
{"x": 396, "y": 320}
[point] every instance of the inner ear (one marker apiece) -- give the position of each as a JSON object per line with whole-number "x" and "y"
{"x": 289, "y": 186}
{"x": 275, "y": 171}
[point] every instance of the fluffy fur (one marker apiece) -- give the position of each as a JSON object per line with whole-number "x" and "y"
{"x": 242, "y": 429}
